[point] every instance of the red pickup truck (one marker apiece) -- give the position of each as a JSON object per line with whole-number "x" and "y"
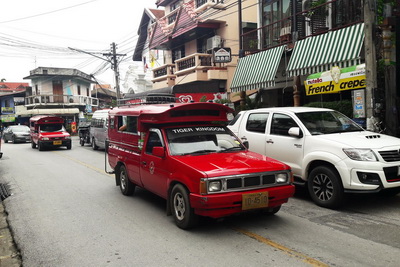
{"x": 48, "y": 131}
{"x": 185, "y": 154}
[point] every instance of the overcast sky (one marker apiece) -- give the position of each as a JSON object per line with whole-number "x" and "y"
{"x": 37, "y": 33}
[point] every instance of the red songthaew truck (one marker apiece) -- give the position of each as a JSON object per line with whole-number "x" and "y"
{"x": 185, "y": 154}
{"x": 48, "y": 131}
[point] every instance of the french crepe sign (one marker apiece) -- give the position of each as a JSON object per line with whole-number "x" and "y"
{"x": 336, "y": 80}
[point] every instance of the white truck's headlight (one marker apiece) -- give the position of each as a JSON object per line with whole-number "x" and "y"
{"x": 45, "y": 138}
{"x": 281, "y": 178}
{"x": 214, "y": 186}
{"x": 360, "y": 154}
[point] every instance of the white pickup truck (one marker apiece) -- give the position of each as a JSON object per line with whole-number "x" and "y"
{"x": 325, "y": 149}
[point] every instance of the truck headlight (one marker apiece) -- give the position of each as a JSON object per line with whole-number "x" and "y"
{"x": 45, "y": 138}
{"x": 360, "y": 154}
{"x": 214, "y": 186}
{"x": 68, "y": 137}
{"x": 281, "y": 178}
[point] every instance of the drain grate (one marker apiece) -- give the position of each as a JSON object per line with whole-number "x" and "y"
{"x": 4, "y": 192}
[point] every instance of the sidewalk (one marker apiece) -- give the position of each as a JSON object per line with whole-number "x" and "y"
{"x": 9, "y": 256}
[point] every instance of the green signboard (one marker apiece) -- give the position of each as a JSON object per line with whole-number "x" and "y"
{"x": 8, "y": 118}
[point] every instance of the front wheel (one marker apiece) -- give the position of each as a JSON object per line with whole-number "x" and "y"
{"x": 325, "y": 187}
{"x": 33, "y": 145}
{"x": 126, "y": 186}
{"x": 40, "y": 146}
{"x": 183, "y": 213}
{"x": 94, "y": 146}
{"x": 69, "y": 146}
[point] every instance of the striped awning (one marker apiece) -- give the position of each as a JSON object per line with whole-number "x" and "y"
{"x": 320, "y": 53}
{"x": 257, "y": 70}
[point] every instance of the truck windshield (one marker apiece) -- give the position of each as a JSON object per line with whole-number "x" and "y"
{"x": 51, "y": 128}
{"x": 328, "y": 122}
{"x": 201, "y": 140}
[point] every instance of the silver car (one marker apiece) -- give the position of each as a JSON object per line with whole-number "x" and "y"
{"x": 17, "y": 133}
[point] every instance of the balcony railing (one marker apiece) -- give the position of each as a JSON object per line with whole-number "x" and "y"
{"x": 164, "y": 72}
{"x": 192, "y": 62}
{"x": 66, "y": 100}
{"x": 313, "y": 20}
{"x": 196, "y": 67}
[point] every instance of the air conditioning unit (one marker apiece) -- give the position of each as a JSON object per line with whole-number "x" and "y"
{"x": 213, "y": 42}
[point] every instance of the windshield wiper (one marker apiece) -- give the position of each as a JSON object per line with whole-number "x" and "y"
{"x": 198, "y": 152}
{"x": 236, "y": 148}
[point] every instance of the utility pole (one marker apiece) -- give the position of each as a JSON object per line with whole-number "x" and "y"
{"x": 370, "y": 61}
{"x": 114, "y": 66}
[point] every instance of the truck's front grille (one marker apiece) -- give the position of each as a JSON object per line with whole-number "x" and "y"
{"x": 390, "y": 155}
{"x": 392, "y": 174}
{"x": 247, "y": 181}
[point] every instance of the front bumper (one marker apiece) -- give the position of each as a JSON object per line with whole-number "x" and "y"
{"x": 386, "y": 175}
{"x": 22, "y": 138}
{"x": 55, "y": 143}
{"x": 224, "y": 204}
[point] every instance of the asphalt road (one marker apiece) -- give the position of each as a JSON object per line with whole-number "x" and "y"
{"x": 66, "y": 211}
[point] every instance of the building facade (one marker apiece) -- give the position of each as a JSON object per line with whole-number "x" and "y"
{"x": 199, "y": 40}
{"x": 59, "y": 91}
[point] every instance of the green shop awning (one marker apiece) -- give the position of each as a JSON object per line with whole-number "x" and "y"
{"x": 257, "y": 70}
{"x": 320, "y": 53}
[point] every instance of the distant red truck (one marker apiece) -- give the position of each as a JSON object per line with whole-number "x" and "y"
{"x": 49, "y": 131}
{"x": 185, "y": 154}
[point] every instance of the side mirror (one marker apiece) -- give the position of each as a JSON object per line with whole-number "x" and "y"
{"x": 295, "y": 132}
{"x": 246, "y": 144}
{"x": 158, "y": 151}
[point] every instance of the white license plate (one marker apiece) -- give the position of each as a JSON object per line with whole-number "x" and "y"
{"x": 254, "y": 200}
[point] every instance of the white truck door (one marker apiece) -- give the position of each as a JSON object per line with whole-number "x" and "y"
{"x": 253, "y": 129}
{"x": 280, "y": 145}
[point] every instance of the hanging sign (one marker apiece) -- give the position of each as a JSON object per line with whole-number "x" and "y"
{"x": 336, "y": 80}
{"x": 222, "y": 55}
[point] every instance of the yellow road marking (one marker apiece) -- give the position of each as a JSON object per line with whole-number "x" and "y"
{"x": 286, "y": 250}
{"x": 83, "y": 164}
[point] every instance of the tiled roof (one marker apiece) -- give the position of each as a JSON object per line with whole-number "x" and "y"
{"x": 103, "y": 86}
{"x": 8, "y": 87}
{"x": 157, "y": 13}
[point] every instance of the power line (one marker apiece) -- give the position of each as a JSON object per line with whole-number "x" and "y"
{"x": 46, "y": 13}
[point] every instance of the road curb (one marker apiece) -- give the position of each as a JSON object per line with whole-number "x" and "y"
{"x": 9, "y": 255}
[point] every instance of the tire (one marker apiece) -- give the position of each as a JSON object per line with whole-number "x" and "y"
{"x": 94, "y": 146}
{"x": 69, "y": 146}
{"x": 40, "y": 146}
{"x": 325, "y": 187}
{"x": 271, "y": 211}
{"x": 13, "y": 140}
{"x": 183, "y": 213}
{"x": 126, "y": 186}
{"x": 81, "y": 142}
{"x": 5, "y": 140}
{"x": 33, "y": 145}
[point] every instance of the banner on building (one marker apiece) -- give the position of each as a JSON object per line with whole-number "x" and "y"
{"x": 7, "y": 118}
{"x": 7, "y": 110}
{"x": 336, "y": 80}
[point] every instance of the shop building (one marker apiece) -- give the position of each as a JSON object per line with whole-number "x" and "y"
{"x": 61, "y": 92}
